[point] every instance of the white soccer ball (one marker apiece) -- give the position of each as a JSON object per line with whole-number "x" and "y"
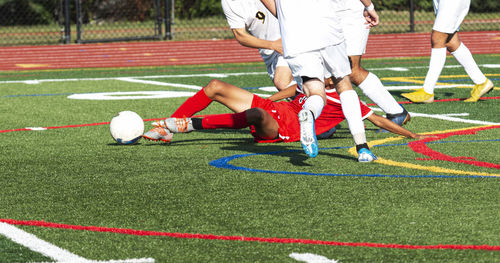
{"x": 127, "y": 127}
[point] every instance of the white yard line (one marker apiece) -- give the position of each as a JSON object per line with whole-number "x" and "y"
{"x": 213, "y": 75}
{"x": 311, "y": 258}
{"x": 446, "y": 117}
{"x": 52, "y": 251}
{"x": 159, "y": 83}
{"x": 225, "y": 75}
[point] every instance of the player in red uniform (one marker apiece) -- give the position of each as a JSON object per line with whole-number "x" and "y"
{"x": 269, "y": 121}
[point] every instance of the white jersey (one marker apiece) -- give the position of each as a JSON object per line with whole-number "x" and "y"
{"x": 254, "y": 17}
{"x": 308, "y": 25}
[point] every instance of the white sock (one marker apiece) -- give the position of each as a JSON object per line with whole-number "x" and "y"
{"x": 436, "y": 64}
{"x": 315, "y": 104}
{"x": 352, "y": 111}
{"x": 464, "y": 57}
{"x": 373, "y": 88}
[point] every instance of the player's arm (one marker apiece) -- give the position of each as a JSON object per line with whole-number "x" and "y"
{"x": 271, "y": 5}
{"x": 247, "y": 40}
{"x": 371, "y": 16}
{"x": 393, "y": 127}
{"x": 283, "y": 94}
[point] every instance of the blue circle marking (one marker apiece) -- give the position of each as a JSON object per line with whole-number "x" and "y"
{"x": 224, "y": 163}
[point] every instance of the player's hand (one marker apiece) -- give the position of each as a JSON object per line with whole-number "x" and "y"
{"x": 277, "y": 46}
{"x": 371, "y": 17}
{"x": 426, "y": 136}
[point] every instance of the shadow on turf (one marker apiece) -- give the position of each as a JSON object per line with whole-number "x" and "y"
{"x": 293, "y": 151}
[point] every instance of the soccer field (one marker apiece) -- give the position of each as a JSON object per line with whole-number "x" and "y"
{"x": 69, "y": 193}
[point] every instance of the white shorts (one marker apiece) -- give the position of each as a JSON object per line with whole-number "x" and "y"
{"x": 272, "y": 62}
{"x": 450, "y": 14}
{"x": 320, "y": 64}
{"x": 355, "y": 31}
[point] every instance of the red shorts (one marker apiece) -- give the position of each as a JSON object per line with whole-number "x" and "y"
{"x": 285, "y": 113}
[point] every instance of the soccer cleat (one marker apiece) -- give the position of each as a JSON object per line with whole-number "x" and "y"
{"x": 158, "y": 134}
{"x": 366, "y": 156}
{"x": 400, "y": 118}
{"x": 327, "y": 134}
{"x": 419, "y": 96}
{"x": 176, "y": 125}
{"x": 479, "y": 90}
{"x": 308, "y": 133}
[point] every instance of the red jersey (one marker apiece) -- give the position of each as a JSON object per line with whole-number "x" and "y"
{"x": 285, "y": 113}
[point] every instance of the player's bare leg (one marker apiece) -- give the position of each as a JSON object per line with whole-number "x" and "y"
{"x": 358, "y": 74}
{"x": 462, "y": 54}
{"x": 373, "y": 88}
{"x": 235, "y": 98}
{"x": 440, "y": 42}
{"x": 282, "y": 77}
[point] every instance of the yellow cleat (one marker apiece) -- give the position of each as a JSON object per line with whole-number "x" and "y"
{"x": 419, "y": 96}
{"x": 479, "y": 90}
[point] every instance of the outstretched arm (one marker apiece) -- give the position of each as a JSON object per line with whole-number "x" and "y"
{"x": 283, "y": 94}
{"x": 271, "y": 5}
{"x": 247, "y": 40}
{"x": 393, "y": 127}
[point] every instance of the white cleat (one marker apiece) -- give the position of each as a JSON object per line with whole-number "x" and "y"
{"x": 308, "y": 133}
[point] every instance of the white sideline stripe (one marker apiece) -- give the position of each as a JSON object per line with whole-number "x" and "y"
{"x": 36, "y": 128}
{"x": 415, "y": 67}
{"x": 449, "y": 118}
{"x": 159, "y": 83}
{"x": 132, "y": 260}
{"x": 131, "y": 95}
{"x": 419, "y": 87}
{"x": 47, "y": 249}
{"x": 34, "y": 243}
{"x": 491, "y": 65}
{"x": 446, "y": 117}
{"x": 36, "y": 81}
{"x": 311, "y": 258}
{"x": 213, "y": 75}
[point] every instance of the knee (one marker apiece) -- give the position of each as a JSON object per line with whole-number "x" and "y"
{"x": 358, "y": 75}
{"x": 280, "y": 84}
{"x": 213, "y": 88}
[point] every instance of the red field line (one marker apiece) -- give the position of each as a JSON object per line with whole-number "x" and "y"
{"x": 160, "y": 53}
{"x": 106, "y": 123}
{"x": 127, "y": 231}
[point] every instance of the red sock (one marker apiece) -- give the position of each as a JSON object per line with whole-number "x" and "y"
{"x": 229, "y": 121}
{"x": 195, "y": 104}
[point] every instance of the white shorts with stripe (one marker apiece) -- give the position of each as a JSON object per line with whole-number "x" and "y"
{"x": 354, "y": 28}
{"x": 320, "y": 64}
{"x": 272, "y": 62}
{"x": 450, "y": 14}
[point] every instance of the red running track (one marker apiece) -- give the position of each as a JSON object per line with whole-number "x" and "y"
{"x": 160, "y": 53}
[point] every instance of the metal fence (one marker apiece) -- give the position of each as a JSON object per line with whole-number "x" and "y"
{"x": 42, "y": 22}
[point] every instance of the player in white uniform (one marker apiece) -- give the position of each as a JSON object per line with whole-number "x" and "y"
{"x": 254, "y": 26}
{"x": 313, "y": 44}
{"x": 449, "y": 16}
{"x": 356, "y": 34}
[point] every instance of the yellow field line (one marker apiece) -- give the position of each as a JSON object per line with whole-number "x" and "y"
{"x": 434, "y": 169}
